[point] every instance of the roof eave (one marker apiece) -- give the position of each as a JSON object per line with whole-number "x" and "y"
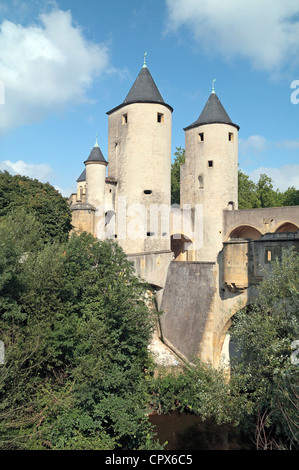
{"x": 198, "y": 124}
{"x": 100, "y": 162}
{"x": 138, "y": 101}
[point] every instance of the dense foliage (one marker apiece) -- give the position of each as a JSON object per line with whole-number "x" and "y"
{"x": 262, "y": 194}
{"x": 266, "y": 369}
{"x": 261, "y": 396}
{"x": 250, "y": 195}
{"x": 40, "y": 199}
{"x": 76, "y": 326}
{"x": 200, "y": 389}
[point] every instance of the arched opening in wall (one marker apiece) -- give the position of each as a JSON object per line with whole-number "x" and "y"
{"x": 287, "y": 227}
{"x": 110, "y": 224}
{"x": 229, "y": 351}
{"x": 246, "y": 232}
{"x": 179, "y": 246}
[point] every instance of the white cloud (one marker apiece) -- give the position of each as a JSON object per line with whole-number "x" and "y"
{"x": 288, "y": 144}
{"x": 43, "y": 172}
{"x": 44, "y": 67}
{"x": 66, "y": 192}
{"x": 253, "y": 144}
{"x": 282, "y": 178}
{"x": 265, "y": 32}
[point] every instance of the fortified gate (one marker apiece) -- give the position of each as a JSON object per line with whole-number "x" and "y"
{"x": 203, "y": 258}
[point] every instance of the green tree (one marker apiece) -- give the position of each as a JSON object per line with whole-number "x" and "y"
{"x": 179, "y": 159}
{"x": 267, "y": 196}
{"x": 40, "y": 199}
{"x": 76, "y": 345}
{"x": 247, "y": 192}
{"x": 291, "y": 197}
{"x": 264, "y": 333}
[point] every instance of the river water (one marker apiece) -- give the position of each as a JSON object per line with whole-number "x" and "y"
{"x": 184, "y": 431}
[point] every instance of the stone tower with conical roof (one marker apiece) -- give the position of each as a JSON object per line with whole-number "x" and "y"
{"x": 139, "y": 154}
{"x": 88, "y": 204}
{"x": 95, "y": 174}
{"x": 209, "y": 177}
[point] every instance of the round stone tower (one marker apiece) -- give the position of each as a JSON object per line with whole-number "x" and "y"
{"x": 209, "y": 177}
{"x": 95, "y": 174}
{"x": 139, "y": 154}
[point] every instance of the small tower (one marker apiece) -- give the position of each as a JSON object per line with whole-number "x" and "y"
{"x": 209, "y": 177}
{"x": 95, "y": 167}
{"x": 82, "y": 212}
{"x": 81, "y": 186}
{"x": 139, "y": 153}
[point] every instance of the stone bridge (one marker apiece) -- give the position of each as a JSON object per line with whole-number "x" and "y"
{"x": 198, "y": 299}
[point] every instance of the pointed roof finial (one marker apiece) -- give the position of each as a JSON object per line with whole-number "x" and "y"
{"x": 213, "y": 86}
{"x": 96, "y": 144}
{"x": 144, "y": 60}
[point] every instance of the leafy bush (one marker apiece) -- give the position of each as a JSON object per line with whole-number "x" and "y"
{"x": 76, "y": 327}
{"x": 41, "y": 200}
{"x": 200, "y": 389}
{"x": 264, "y": 333}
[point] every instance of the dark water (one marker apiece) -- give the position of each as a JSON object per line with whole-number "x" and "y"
{"x": 185, "y": 431}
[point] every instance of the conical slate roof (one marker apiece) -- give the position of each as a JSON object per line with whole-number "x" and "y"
{"x": 96, "y": 155}
{"x": 144, "y": 90}
{"x": 82, "y": 177}
{"x": 213, "y": 113}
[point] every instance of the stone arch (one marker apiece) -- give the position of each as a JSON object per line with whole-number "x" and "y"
{"x": 109, "y": 216}
{"x": 247, "y": 232}
{"x": 179, "y": 246}
{"x": 287, "y": 227}
{"x": 81, "y": 192}
{"x": 221, "y": 334}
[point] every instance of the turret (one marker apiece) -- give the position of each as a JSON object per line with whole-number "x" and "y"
{"x": 209, "y": 177}
{"x": 81, "y": 187}
{"x": 95, "y": 168}
{"x": 139, "y": 150}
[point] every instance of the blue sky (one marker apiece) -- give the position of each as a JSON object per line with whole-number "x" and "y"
{"x": 65, "y": 63}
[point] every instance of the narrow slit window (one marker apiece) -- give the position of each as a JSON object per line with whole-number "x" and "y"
{"x": 268, "y": 255}
{"x": 231, "y": 136}
{"x": 125, "y": 118}
{"x": 200, "y": 181}
{"x": 147, "y": 191}
{"x": 160, "y": 118}
{"x": 201, "y": 137}
{"x": 210, "y": 164}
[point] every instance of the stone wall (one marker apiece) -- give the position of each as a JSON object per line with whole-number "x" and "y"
{"x": 152, "y": 267}
{"x": 187, "y": 306}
